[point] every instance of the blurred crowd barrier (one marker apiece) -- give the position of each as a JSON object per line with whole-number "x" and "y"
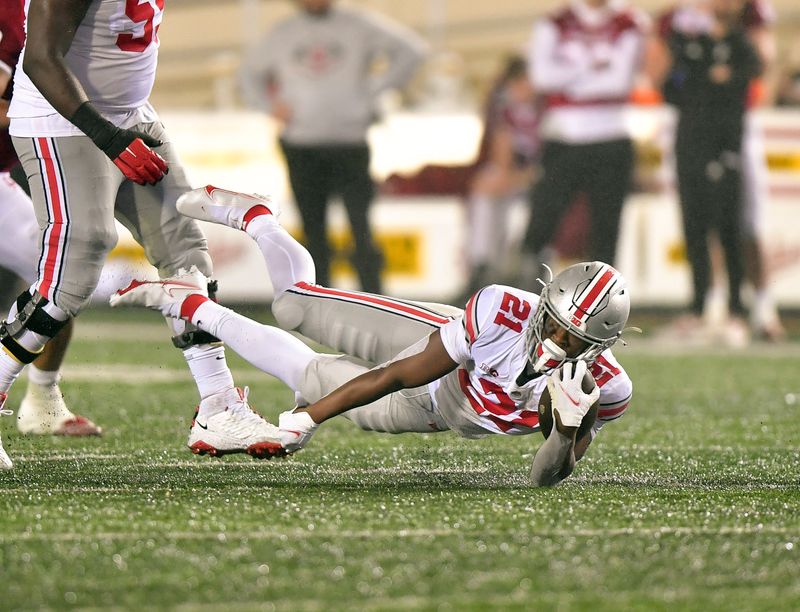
{"x": 423, "y": 235}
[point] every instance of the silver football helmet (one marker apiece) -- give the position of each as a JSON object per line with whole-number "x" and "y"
{"x": 590, "y": 300}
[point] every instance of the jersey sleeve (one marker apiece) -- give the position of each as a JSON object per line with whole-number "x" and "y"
{"x": 462, "y": 333}
{"x": 616, "y": 387}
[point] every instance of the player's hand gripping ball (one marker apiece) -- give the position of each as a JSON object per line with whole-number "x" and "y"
{"x": 546, "y": 410}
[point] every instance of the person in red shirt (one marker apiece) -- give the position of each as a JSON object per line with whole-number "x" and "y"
{"x": 584, "y": 59}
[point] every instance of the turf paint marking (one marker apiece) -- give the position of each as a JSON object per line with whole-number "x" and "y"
{"x": 285, "y": 535}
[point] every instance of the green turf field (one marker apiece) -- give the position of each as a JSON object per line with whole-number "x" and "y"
{"x": 691, "y": 501}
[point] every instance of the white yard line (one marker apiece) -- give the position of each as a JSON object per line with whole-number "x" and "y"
{"x": 285, "y": 534}
{"x": 136, "y": 374}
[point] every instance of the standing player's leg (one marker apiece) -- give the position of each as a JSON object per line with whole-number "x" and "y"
{"x": 764, "y": 317}
{"x": 353, "y": 181}
{"x": 173, "y": 242}
{"x": 72, "y": 187}
{"x": 43, "y": 410}
{"x": 607, "y": 189}
{"x": 311, "y": 179}
{"x": 549, "y": 200}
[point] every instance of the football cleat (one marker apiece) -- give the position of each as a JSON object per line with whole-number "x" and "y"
{"x": 296, "y": 429}
{"x": 225, "y": 207}
{"x": 5, "y": 460}
{"x": 43, "y": 411}
{"x": 165, "y": 295}
{"x": 224, "y": 424}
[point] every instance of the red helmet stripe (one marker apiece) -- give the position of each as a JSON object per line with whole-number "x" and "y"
{"x": 593, "y": 293}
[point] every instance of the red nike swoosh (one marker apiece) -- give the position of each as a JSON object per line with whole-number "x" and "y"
{"x": 572, "y": 399}
{"x": 297, "y": 433}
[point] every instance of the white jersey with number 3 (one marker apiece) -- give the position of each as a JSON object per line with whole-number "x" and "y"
{"x": 113, "y": 55}
{"x": 488, "y": 342}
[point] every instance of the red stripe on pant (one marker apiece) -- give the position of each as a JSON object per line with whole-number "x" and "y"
{"x": 373, "y": 300}
{"x": 53, "y": 251}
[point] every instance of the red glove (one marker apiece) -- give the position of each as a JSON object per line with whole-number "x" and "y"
{"x": 130, "y": 150}
{"x": 140, "y": 163}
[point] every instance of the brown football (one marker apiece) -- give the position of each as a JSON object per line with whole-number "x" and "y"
{"x": 546, "y": 412}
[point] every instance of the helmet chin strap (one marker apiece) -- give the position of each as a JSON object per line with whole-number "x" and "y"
{"x": 549, "y": 356}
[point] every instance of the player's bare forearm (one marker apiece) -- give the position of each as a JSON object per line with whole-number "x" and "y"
{"x": 414, "y": 371}
{"x": 555, "y": 459}
{"x": 51, "y": 28}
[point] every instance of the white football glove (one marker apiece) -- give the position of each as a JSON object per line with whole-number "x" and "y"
{"x": 567, "y": 394}
{"x": 295, "y": 430}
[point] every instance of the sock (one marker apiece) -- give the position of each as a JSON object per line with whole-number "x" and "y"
{"x": 44, "y": 378}
{"x": 255, "y": 212}
{"x": 209, "y": 368}
{"x": 9, "y": 370}
{"x": 288, "y": 262}
{"x": 190, "y": 305}
{"x": 270, "y": 349}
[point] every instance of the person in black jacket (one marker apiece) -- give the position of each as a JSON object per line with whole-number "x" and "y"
{"x": 708, "y": 85}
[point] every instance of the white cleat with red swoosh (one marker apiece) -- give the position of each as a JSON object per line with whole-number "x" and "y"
{"x": 224, "y": 207}
{"x": 165, "y": 295}
{"x": 225, "y": 423}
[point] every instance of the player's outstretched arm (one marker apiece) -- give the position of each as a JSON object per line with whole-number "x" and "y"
{"x": 571, "y": 406}
{"x": 431, "y": 363}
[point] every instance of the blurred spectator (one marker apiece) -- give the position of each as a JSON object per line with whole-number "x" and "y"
{"x": 316, "y": 73}
{"x": 504, "y": 169}
{"x": 755, "y": 17}
{"x": 788, "y": 93}
{"x": 713, "y": 63}
{"x": 584, "y": 62}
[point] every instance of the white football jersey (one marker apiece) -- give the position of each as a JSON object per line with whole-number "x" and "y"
{"x": 113, "y": 55}
{"x": 488, "y": 343}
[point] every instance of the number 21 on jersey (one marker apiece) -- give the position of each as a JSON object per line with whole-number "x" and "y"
{"x": 513, "y": 311}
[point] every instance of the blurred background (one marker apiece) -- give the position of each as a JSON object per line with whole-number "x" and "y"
{"x": 437, "y": 120}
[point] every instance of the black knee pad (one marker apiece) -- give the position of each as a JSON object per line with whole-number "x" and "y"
{"x": 30, "y": 317}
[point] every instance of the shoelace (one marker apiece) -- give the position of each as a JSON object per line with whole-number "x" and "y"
{"x": 245, "y": 417}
